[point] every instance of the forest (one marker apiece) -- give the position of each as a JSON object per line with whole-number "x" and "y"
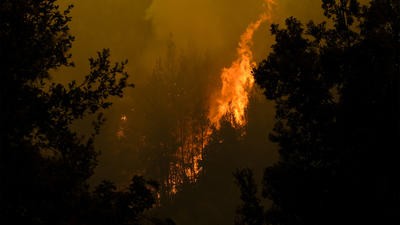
{"x": 286, "y": 116}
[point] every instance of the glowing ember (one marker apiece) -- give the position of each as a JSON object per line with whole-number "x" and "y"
{"x": 120, "y": 134}
{"x": 121, "y": 129}
{"x": 124, "y": 118}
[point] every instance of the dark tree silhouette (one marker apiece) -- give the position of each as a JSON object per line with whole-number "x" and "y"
{"x": 121, "y": 207}
{"x": 336, "y": 89}
{"x": 251, "y": 212}
{"x": 44, "y": 163}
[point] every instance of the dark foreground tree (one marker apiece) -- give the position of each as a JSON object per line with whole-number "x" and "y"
{"x": 336, "y": 89}
{"x": 251, "y": 211}
{"x": 109, "y": 206}
{"x": 44, "y": 163}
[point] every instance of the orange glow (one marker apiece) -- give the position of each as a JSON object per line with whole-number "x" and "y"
{"x": 188, "y": 156}
{"x": 122, "y": 127}
{"x": 237, "y": 80}
{"x": 231, "y": 99}
{"x": 124, "y": 117}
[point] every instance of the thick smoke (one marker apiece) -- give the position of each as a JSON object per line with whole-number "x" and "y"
{"x": 176, "y": 50}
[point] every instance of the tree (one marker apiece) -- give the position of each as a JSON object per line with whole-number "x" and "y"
{"x": 251, "y": 212}
{"x": 44, "y": 163}
{"x": 121, "y": 207}
{"x": 336, "y": 89}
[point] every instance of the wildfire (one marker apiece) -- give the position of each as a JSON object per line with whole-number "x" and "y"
{"x": 237, "y": 80}
{"x": 232, "y": 99}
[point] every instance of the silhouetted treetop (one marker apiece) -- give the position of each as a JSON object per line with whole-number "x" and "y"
{"x": 336, "y": 89}
{"x": 251, "y": 212}
{"x": 45, "y": 164}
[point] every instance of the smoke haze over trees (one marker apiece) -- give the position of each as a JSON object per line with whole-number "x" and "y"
{"x": 45, "y": 164}
{"x": 333, "y": 88}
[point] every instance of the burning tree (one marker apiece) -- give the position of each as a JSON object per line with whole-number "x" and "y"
{"x": 175, "y": 120}
{"x": 336, "y": 90}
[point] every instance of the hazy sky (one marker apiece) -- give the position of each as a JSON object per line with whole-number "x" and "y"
{"x": 205, "y": 34}
{"x": 138, "y": 30}
{"x": 204, "y": 31}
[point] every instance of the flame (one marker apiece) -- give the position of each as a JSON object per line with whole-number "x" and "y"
{"x": 237, "y": 80}
{"x": 124, "y": 118}
{"x": 187, "y": 166}
{"x": 232, "y": 99}
{"x": 122, "y": 127}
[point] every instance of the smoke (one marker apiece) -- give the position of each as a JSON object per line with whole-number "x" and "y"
{"x": 176, "y": 51}
{"x": 139, "y": 30}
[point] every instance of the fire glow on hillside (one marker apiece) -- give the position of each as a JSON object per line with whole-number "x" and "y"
{"x": 232, "y": 99}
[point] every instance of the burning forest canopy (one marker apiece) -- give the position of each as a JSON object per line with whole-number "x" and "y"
{"x": 183, "y": 143}
{"x": 194, "y": 115}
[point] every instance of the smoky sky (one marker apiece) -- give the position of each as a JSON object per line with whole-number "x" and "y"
{"x": 176, "y": 48}
{"x": 138, "y": 30}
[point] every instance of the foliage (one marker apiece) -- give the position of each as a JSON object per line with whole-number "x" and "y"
{"x": 121, "y": 207}
{"x": 251, "y": 212}
{"x": 336, "y": 89}
{"x": 44, "y": 163}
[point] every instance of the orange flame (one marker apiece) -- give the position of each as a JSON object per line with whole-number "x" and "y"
{"x": 232, "y": 99}
{"x": 237, "y": 80}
